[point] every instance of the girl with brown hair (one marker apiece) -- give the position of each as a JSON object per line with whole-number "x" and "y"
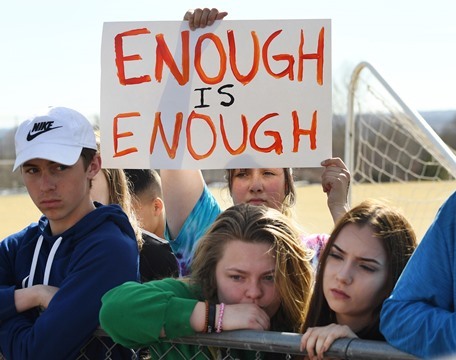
{"x": 364, "y": 257}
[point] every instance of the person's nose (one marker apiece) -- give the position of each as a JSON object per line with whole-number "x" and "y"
{"x": 345, "y": 274}
{"x": 254, "y": 291}
{"x": 256, "y": 183}
{"x": 47, "y": 182}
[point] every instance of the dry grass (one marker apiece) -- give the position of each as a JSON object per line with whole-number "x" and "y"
{"x": 17, "y": 211}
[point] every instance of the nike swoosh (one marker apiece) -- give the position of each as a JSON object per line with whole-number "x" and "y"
{"x": 32, "y": 136}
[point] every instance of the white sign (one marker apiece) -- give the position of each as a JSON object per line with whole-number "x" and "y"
{"x": 237, "y": 94}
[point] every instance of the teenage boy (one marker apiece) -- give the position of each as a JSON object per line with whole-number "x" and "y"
{"x": 53, "y": 273}
{"x": 157, "y": 260}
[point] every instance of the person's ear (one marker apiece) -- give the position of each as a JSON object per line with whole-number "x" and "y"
{"x": 94, "y": 166}
{"x": 158, "y": 206}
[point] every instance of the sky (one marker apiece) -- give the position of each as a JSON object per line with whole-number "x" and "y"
{"x": 50, "y": 49}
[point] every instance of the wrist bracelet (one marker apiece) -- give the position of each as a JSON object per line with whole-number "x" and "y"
{"x": 206, "y": 317}
{"x": 211, "y": 320}
{"x": 220, "y": 318}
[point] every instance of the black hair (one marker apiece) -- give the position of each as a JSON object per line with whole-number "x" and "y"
{"x": 142, "y": 179}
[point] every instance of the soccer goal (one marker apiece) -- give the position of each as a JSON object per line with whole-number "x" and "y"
{"x": 392, "y": 152}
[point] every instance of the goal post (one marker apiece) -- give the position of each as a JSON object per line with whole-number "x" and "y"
{"x": 392, "y": 152}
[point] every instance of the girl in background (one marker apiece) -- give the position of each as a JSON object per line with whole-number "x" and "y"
{"x": 364, "y": 257}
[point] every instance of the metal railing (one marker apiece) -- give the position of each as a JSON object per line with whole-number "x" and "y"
{"x": 257, "y": 341}
{"x": 289, "y": 343}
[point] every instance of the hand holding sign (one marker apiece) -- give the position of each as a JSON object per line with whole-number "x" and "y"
{"x": 200, "y": 18}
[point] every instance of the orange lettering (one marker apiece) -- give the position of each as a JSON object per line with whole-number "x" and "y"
{"x": 297, "y": 132}
{"x": 171, "y": 150}
{"x": 319, "y": 56}
{"x": 288, "y": 70}
{"x": 244, "y": 79}
{"x": 277, "y": 145}
{"x": 243, "y": 145}
{"x": 164, "y": 55}
{"x": 260, "y": 52}
{"x": 121, "y": 58}
{"x": 199, "y": 69}
{"x": 208, "y": 120}
{"x": 116, "y": 135}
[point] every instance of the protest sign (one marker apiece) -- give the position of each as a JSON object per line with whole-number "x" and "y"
{"x": 238, "y": 94}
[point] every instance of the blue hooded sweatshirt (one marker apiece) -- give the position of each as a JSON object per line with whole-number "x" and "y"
{"x": 96, "y": 254}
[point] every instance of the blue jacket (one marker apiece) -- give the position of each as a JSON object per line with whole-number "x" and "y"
{"x": 420, "y": 317}
{"x": 95, "y": 255}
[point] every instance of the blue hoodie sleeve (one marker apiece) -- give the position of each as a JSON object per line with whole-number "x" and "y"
{"x": 98, "y": 263}
{"x": 419, "y": 317}
{"x": 8, "y": 251}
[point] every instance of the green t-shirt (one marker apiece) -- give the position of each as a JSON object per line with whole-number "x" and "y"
{"x": 134, "y": 314}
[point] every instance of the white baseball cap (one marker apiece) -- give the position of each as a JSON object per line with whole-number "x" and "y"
{"x": 57, "y": 135}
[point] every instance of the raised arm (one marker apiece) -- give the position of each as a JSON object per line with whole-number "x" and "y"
{"x": 183, "y": 188}
{"x": 335, "y": 181}
{"x": 181, "y": 191}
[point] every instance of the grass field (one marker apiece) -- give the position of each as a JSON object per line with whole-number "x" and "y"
{"x": 17, "y": 211}
{"x": 419, "y": 202}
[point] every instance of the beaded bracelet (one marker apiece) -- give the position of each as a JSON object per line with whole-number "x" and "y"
{"x": 211, "y": 320}
{"x": 206, "y": 318}
{"x": 220, "y": 318}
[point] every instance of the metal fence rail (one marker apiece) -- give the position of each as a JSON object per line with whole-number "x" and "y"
{"x": 263, "y": 341}
{"x": 288, "y": 343}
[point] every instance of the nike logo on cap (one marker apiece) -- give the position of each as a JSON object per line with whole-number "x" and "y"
{"x": 41, "y": 128}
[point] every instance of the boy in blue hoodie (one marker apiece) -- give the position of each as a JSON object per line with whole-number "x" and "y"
{"x": 420, "y": 316}
{"x": 53, "y": 273}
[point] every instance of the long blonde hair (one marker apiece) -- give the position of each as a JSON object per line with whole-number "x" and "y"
{"x": 259, "y": 224}
{"x": 119, "y": 193}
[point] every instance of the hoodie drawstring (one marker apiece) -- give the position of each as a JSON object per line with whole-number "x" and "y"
{"x": 50, "y": 260}
{"x": 34, "y": 261}
{"x": 47, "y": 270}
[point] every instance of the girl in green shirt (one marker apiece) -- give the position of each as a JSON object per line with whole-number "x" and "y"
{"x": 249, "y": 271}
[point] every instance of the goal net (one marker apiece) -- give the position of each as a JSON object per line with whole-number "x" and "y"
{"x": 392, "y": 153}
